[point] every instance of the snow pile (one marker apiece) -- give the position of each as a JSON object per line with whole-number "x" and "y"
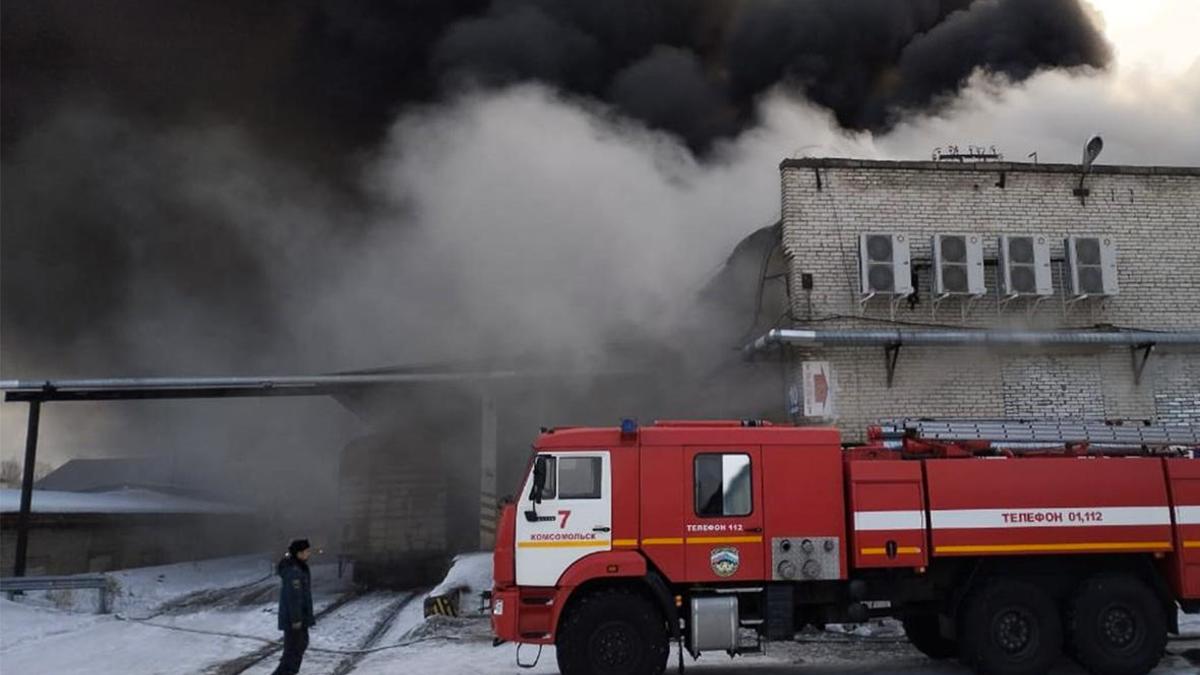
{"x": 150, "y": 588}
{"x": 116, "y": 501}
{"x": 878, "y": 628}
{"x": 1189, "y": 624}
{"x": 143, "y": 590}
{"x": 468, "y": 571}
{"x": 470, "y": 575}
{"x": 221, "y": 584}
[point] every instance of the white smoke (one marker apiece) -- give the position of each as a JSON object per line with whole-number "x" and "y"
{"x": 525, "y": 221}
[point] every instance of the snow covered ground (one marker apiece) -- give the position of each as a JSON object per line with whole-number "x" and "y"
{"x": 218, "y": 618}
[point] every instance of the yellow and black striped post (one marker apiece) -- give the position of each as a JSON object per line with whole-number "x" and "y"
{"x": 487, "y": 470}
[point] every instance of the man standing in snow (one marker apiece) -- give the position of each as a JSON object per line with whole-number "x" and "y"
{"x": 295, "y": 606}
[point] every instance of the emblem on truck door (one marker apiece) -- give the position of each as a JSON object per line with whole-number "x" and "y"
{"x": 724, "y": 561}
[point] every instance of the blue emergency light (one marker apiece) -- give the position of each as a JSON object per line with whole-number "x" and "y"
{"x": 628, "y": 426}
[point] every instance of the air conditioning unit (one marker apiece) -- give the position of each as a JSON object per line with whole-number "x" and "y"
{"x": 958, "y": 265}
{"x": 1091, "y": 265}
{"x": 1025, "y": 266}
{"x": 884, "y": 264}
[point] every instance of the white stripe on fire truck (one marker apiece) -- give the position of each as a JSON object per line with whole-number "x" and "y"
{"x": 889, "y": 520}
{"x": 1187, "y": 515}
{"x": 965, "y": 519}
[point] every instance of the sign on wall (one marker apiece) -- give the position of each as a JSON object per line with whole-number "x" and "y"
{"x": 818, "y": 389}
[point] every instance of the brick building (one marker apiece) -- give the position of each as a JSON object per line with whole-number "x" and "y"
{"x": 1150, "y": 216}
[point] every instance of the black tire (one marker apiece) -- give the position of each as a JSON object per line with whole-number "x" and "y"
{"x": 925, "y": 634}
{"x": 614, "y": 631}
{"x": 1009, "y": 627}
{"x": 1116, "y": 626}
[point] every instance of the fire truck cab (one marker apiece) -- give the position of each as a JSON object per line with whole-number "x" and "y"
{"x": 724, "y": 535}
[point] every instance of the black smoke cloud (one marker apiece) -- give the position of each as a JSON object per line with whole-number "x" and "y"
{"x": 696, "y": 68}
{"x": 871, "y": 61}
{"x": 319, "y": 76}
{"x": 109, "y": 110}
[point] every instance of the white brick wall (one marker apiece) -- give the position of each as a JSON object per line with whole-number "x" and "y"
{"x": 1153, "y": 214}
{"x": 393, "y": 499}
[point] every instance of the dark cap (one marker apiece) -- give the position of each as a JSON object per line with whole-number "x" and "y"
{"x": 298, "y": 545}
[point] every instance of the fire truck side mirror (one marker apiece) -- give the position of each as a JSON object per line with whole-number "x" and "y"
{"x": 539, "y": 480}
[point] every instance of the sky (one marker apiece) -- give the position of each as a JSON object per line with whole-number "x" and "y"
{"x": 1156, "y": 35}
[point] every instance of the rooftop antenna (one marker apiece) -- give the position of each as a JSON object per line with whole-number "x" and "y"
{"x": 1091, "y": 151}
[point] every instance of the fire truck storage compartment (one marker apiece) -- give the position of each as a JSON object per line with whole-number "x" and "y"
{"x": 806, "y": 538}
{"x": 1048, "y": 506}
{"x": 1184, "y": 573}
{"x": 714, "y": 623}
{"x": 887, "y": 512}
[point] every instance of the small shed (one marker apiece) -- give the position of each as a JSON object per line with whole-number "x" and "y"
{"x": 77, "y": 532}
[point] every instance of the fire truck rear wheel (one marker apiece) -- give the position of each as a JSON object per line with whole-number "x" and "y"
{"x": 1010, "y": 627}
{"x": 614, "y": 631}
{"x": 924, "y": 633}
{"x": 1116, "y": 626}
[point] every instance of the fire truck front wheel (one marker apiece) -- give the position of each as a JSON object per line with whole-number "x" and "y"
{"x": 1116, "y": 626}
{"x": 1010, "y": 627}
{"x": 612, "y": 631}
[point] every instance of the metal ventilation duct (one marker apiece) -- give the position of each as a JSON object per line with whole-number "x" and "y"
{"x": 987, "y": 338}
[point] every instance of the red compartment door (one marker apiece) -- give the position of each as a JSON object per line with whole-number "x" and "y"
{"x": 887, "y": 514}
{"x": 1184, "y": 564}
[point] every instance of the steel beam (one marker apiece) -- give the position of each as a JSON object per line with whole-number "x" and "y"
{"x": 31, "y": 440}
{"x": 283, "y": 385}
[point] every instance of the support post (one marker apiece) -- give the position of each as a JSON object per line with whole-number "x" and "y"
{"x": 890, "y": 354}
{"x": 31, "y": 439}
{"x": 1081, "y": 191}
{"x": 1139, "y": 365}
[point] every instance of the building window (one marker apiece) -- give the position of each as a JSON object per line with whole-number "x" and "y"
{"x": 722, "y": 485}
{"x": 579, "y": 477}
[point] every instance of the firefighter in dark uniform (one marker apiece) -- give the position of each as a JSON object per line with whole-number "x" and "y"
{"x": 295, "y": 606}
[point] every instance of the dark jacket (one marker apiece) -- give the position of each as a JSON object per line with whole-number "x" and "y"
{"x": 295, "y": 593}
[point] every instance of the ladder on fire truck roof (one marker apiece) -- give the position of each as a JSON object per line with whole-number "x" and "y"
{"x": 1017, "y": 432}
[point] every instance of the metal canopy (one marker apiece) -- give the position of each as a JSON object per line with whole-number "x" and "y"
{"x": 36, "y": 392}
{"x": 222, "y": 387}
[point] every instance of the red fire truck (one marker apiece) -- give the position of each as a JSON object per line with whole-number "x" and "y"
{"x": 1003, "y": 543}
